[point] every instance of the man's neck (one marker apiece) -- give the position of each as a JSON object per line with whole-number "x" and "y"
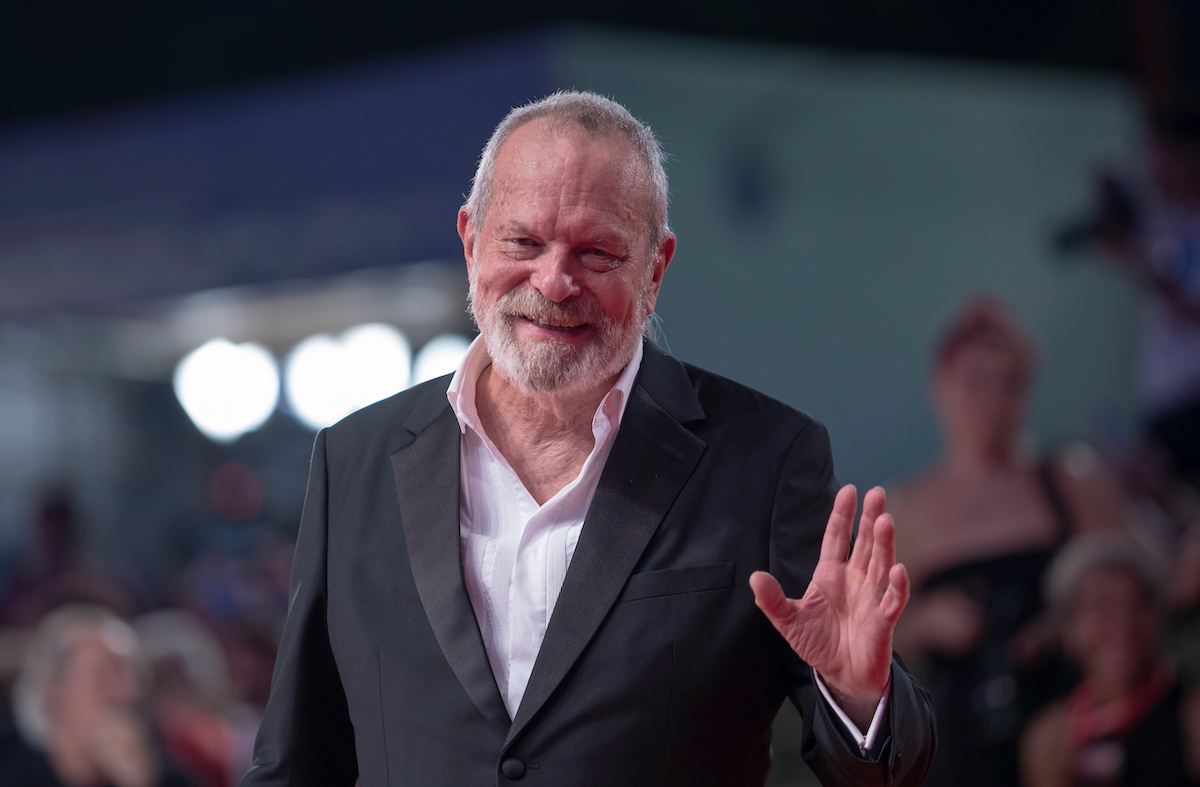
{"x": 546, "y": 437}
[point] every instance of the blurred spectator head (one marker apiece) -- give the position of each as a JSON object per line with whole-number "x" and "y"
{"x": 81, "y": 667}
{"x": 982, "y": 369}
{"x": 185, "y": 659}
{"x": 1109, "y": 593}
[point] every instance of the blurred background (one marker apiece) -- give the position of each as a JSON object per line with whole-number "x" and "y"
{"x": 224, "y": 225}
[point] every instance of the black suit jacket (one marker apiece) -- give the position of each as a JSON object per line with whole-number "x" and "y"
{"x": 656, "y": 668}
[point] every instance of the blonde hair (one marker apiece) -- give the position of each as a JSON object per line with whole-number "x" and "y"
{"x": 50, "y": 652}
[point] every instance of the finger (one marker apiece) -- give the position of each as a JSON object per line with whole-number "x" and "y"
{"x": 769, "y": 597}
{"x": 873, "y": 505}
{"x": 836, "y": 542}
{"x": 884, "y": 556}
{"x": 896, "y": 597}
{"x": 875, "y": 501}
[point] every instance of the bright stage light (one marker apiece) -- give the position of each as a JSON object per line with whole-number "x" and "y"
{"x": 440, "y": 355}
{"x": 327, "y": 379}
{"x": 227, "y": 389}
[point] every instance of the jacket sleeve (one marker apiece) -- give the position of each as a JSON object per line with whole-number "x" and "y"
{"x": 906, "y": 742}
{"x": 306, "y": 737}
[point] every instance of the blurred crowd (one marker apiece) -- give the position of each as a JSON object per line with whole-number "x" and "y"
{"x": 1055, "y": 614}
{"x": 102, "y": 689}
{"x": 1043, "y": 586}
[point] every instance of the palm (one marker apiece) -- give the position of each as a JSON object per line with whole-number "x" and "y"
{"x": 842, "y": 627}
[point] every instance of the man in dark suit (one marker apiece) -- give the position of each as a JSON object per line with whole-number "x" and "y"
{"x": 567, "y": 565}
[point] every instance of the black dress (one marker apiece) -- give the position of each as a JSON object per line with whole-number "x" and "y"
{"x": 981, "y": 699}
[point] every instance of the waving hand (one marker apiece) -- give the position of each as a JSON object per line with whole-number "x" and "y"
{"x": 842, "y": 627}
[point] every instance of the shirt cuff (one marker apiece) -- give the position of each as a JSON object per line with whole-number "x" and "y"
{"x": 865, "y": 741}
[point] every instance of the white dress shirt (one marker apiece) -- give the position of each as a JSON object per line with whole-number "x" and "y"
{"x": 516, "y": 553}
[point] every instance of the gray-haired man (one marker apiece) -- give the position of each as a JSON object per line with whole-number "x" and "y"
{"x": 546, "y": 568}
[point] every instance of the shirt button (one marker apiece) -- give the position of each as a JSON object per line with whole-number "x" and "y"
{"x": 512, "y": 768}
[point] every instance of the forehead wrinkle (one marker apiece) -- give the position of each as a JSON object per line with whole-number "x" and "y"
{"x": 574, "y": 223}
{"x": 582, "y": 166}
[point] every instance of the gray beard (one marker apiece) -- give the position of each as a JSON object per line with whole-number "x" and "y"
{"x": 549, "y": 366}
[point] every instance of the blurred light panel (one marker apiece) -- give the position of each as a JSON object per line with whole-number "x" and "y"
{"x": 440, "y": 355}
{"x": 227, "y": 389}
{"x": 328, "y": 378}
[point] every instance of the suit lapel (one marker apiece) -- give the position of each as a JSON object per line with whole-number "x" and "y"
{"x": 652, "y": 458}
{"x": 427, "y": 484}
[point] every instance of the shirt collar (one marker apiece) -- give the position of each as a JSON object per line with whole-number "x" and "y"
{"x": 461, "y": 392}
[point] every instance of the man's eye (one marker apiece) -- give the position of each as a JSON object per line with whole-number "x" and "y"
{"x": 599, "y": 259}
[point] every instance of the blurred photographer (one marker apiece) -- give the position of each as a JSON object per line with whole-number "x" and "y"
{"x": 1153, "y": 234}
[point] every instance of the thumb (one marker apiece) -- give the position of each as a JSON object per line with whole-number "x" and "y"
{"x": 769, "y": 596}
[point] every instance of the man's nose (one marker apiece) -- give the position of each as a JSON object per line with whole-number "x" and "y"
{"x": 555, "y": 275}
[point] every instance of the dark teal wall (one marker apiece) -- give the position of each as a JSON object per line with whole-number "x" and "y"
{"x": 832, "y": 211}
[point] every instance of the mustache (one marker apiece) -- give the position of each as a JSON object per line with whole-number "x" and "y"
{"x": 528, "y": 302}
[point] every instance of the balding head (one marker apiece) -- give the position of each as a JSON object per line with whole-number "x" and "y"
{"x": 599, "y": 118}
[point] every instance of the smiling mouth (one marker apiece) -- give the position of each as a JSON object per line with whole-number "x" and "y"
{"x": 554, "y": 325}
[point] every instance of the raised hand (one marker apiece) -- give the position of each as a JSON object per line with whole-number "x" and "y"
{"x": 842, "y": 627}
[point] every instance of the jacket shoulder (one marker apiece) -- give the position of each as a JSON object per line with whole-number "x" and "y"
{"x": 723, "y": 399}
{"x": 384, "y": 422}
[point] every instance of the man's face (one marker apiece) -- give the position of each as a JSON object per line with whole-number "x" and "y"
{"x": 562, "y": 276}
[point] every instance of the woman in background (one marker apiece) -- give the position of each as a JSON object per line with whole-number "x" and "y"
{"x": 1129, "y": 723}
{"x": 976, "y": 532}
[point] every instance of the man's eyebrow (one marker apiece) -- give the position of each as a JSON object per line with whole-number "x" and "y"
{"x": 513, "y": 227}
{"x": 614, "y": 239}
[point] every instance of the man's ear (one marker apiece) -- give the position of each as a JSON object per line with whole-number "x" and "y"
{"x": 466, "y": 232}
{"x": 662, "y": 258}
